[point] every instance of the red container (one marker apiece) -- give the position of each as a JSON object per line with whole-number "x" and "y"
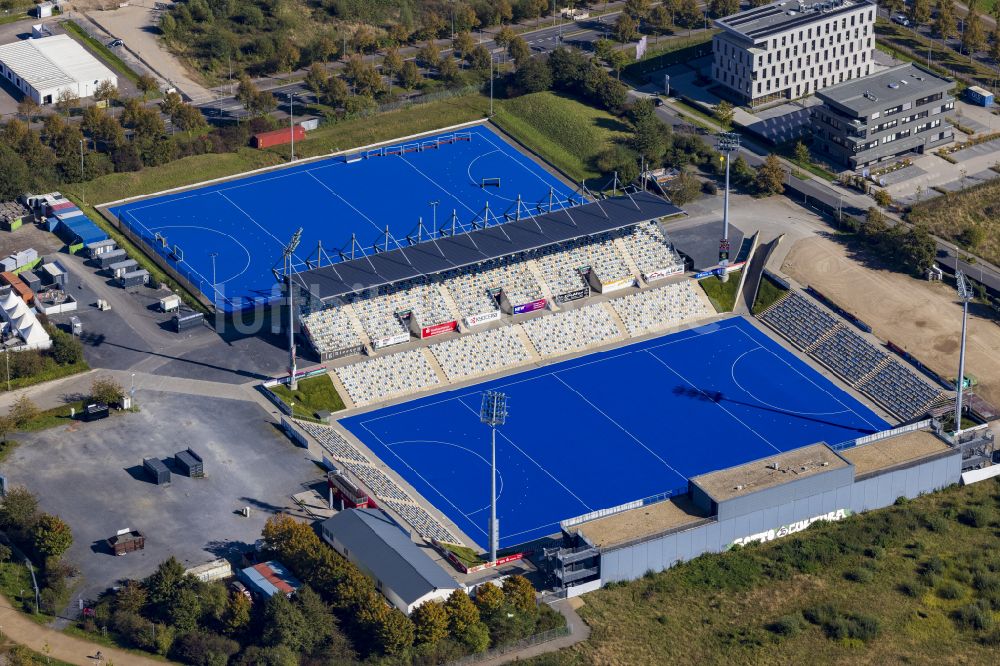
{"x": 277, "y": 137}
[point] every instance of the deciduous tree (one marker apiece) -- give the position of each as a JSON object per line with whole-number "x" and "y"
{"x": 771, "y": 176}
{"x": 51, "y": 536}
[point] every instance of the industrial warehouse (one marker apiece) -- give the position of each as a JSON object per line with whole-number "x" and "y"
{"x": 43, "y": 68}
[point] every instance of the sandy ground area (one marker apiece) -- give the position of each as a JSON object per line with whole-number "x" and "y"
{"x": 923, "y": 318}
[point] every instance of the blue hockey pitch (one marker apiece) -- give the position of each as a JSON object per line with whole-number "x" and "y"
{"x": 617, "y": 426}
{"x": 247, "y": 221}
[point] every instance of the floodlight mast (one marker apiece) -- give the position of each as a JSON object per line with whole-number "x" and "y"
{"x": 287, "y": 254}
{"x": 965, "y": 294}
{"x": 493, "y": 413}
{"x": 729, "y": 142}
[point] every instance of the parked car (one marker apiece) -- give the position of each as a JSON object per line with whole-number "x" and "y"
{"x": 901, "y": 20}
{"x": 116, "y": 43}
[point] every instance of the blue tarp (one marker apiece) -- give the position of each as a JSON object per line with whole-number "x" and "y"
{"x": 80, "y": 230}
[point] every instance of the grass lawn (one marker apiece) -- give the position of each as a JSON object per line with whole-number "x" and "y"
{"x": 918, "y": 582}
{"x": 970, "y": 218}
{"x": 13, "y": 18}
{"x": 106, "y": 54}
{"x": 52, "y": 370}
{"x": 566, "y": 133}
{"x": 722, "y": 294}
{"x": 466, "y": 555}
{"x": 768, "y": 292}
{"x": 944, "y": 60}
{"x": 316, "y": 394}
{"x": 15, "y": 584}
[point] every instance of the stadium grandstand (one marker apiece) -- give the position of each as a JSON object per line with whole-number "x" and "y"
{"x": 856, "y": 360}
{"x": 460, "y": 282}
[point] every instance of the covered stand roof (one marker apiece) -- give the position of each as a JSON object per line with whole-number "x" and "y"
{"x": 466, "y": 249}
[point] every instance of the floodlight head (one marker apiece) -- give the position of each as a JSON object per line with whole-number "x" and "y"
{"x": 728, "y": 142}
{"x": 294, "y": 243}
{"x": 494, "y": 410}
{"x": 964, "y": 288}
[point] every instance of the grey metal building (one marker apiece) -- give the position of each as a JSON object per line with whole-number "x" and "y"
{"x": 898, "y": 111}
{"x": 791, "y": 49}
{"x": 759, "y": 501}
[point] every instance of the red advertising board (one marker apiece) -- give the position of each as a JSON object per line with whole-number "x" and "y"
{"x": 438, "y": 329}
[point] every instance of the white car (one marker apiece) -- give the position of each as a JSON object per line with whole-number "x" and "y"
{"x": 901, "y": 20}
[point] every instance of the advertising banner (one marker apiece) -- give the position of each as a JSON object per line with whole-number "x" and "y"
{"x": 573, "y": 295}
{"x": 792, "y": 528}
{"x": 617, "y": 285}
{"x": 438, "y": 329}
{"x": 342, "y": 352}
{"x": 530, "y": 307}
{"x": 391, "y": 340}
{"x": 476, "y": 320}
{"x": 663, "y": 272}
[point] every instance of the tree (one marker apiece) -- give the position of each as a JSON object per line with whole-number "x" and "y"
{"x": 237, "y": 615}
{"x": 520, "y": 594}
{"x": 637, "y": 9}
{"x": 802, "y": 153}
{"x": 410, "y": 76}
{"x": 489, "y": 600}
{"x": 448, "y": 69}
{"x": 106, "y": 91}
{"x": 429, "y": 55}
{"x": 685, "y": 188}
{"x": 995, "y": 44}
{"x": 882, "y": 198}
{"x": 944, "y": 25}
{"x": 724, "y": 113}
{"x": 201, "y": 648}
{"x": 163, "y": 583}
{"x": 284, "y": 624}
{"x": 621, "y": 160}
{"x": 392, "y": 63}
{"x": 463, "y": 44}
{"x": 771, "y": 176}
{"x": 27, "y": 108}
{"x": 464, "y": 623}
{"x": 316, "y": 79}
{"x": 184, "y": 609}
{"x": 106, "y": 390}
{"x": 146, "y": 84}
{"x": 335, "y": 92}
{"x": 626, "y": 28}
{"x": 394, "y": 633}
{"x": 519, "y": 51}
{"x": 51, "y": 536}
{"x": 533, "y": 76}
{"x": 689, "y": 14}
{"x": 661, "y": 19}
{"x": 920, "y": 12}
{"x": 720, "y": 8}
{"x": 974, "y": 36}
{"x": 874, "y": 225}
{"x": 15, "y": 179}
{"x": 503, "y": 12}
{"x": 246, "y": 92}
{"x": 430, "y": 623}
{"x": 19, "y": 509}
{"x": 66, "y": 350}
{"x": 23, "y": 411}
{"x": 131, "y": 597}
{"x": 650, "y": 138}
{"x": 188, "y": 118}
{"x": 66, "y": 101}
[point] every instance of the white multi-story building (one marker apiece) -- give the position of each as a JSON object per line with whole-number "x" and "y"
{"x": 790, "y": 49}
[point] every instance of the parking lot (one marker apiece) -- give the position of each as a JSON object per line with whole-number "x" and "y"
{"x": 91, "y": 475}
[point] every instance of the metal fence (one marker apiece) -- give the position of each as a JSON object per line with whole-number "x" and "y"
{"x": 885, "y": 434}
{"x": 537, "y": 639}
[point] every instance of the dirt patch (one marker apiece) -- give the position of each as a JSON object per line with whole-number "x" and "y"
{"x": 923, "y": 318}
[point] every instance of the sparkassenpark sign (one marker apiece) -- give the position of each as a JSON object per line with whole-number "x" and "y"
{"x": 791, "y": 528}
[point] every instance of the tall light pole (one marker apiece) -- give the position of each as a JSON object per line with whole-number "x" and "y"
{"x": 434, "y": 224}
{"x": 215, "y": 291}
{"x": 291, "y": 121}
{"x": 289, "y": 250}
{"x": 491, "y": 84}
{"x": 494, "y": 414}
{"x": 83, "y": 191}
{"x": 966, "y": 295}
{"x": 728, "y": 143}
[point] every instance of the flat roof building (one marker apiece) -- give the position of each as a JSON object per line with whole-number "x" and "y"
{"x": 885, "y": 115}
{"x": 791, "y": 49}
{"x": 43, "y": 68}
{"x": 403, "y": 573}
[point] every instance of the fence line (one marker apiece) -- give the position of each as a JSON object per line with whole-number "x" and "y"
{"x": 537, "y": 639}
{"x": 600, "y": 513}
{"x": 885, "y": 434}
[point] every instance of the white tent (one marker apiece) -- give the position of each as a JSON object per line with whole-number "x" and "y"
{"x": 23, "y": 320}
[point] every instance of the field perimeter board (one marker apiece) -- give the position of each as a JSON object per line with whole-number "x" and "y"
{"x": 246, "y": 222}
{"x": 601, "y": 430}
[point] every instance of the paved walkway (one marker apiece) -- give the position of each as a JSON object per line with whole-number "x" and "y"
{"x": 20, "y": 629}
{"x": 578, "y": 631}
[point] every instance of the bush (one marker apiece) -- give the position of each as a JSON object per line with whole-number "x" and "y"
{"x": 106, "y": 390}
{"x": 975, "y": 516}
{"x": 839, "y": 625}
{"x": 787, "y": 625}
{"x": 949, "y": 590}
{"x": 204, "y": 649}
{"x": 975, "y": 616}
{"x": 860, "y": 575}
{"x": 912, "y": 588}
{"x": 66, "y": 350}
{"x": 709, "y": 187}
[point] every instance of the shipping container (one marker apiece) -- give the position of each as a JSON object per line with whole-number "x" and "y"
{"x": 191, "y": 463}
{"x": 25, "y": 257}
{"x": 53, "y": 273}
{"x": 134, "y": 279}
{"x": 170, "y": 303}
{"x": 113, "y": 257}
{"x": 120, "y": 268}
{"x": 18, "y": 286}
{"x": 156, "y": 470}
{"x": 277, "y": 137}
{"x": 30, "y": 279}
{"x": 127, "y": 541}
{"x": 58, "y": 205}
{"x": 101, "y": 247}
{"x": 184, "y": 322}
{"x": 309, "y": 125}
{"x": 979, "y": 96}
{"x": 8, "y": 264}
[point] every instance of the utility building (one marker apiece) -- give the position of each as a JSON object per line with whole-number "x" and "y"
{"x": 43, "y": 68}
{"x": 788, "y": 49}
{"x": 898, "y": 111}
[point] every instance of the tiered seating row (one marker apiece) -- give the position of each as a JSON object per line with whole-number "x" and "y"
{"x": 896, "y": 385}
{"x": 799, "y": 320}
{"x": 655, "y": 309}
{"x": 385, "y": 490}
{"x": 650, "y": 248}
{"x": 481, "y": 353}
{"x": 571, "y": 330}
{"x": 331, "y": 329}
{"x": 382, "y": 377}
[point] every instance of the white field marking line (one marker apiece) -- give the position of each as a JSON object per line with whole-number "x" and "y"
{"x": 429, "y": 484}
{"x": 132, "y": 209}
{"x": 468, "y": 172}
{"x": 330, "y": 190}
{"x": 620, "y": 427}
{"x": 516, "y": 160}
{"x": 457, "y": 446}
{"x": 732, "y": 374}
{"x": 522, "y": 452}
{"x": 612, "y": 354}
{"x": 221, "y": 233}
{"x": 437, "y": 185}
{"x": 717, "y": 404}
{"x": 259, "y": 225}
{"x": 810, "y": 380}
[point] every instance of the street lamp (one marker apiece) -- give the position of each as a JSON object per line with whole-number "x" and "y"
{"x": 729, "y": 142}
{"x": 287, "y": 254}
{"x": 83, "y": 191}
{"x": 494, "y": 414}
{"x": 215, "y": 291}
{"x": 965, "y": 295}
{"x": 291, "y": 121}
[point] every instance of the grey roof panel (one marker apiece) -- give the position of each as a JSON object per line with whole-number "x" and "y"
{"x": 885, "y": 89}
